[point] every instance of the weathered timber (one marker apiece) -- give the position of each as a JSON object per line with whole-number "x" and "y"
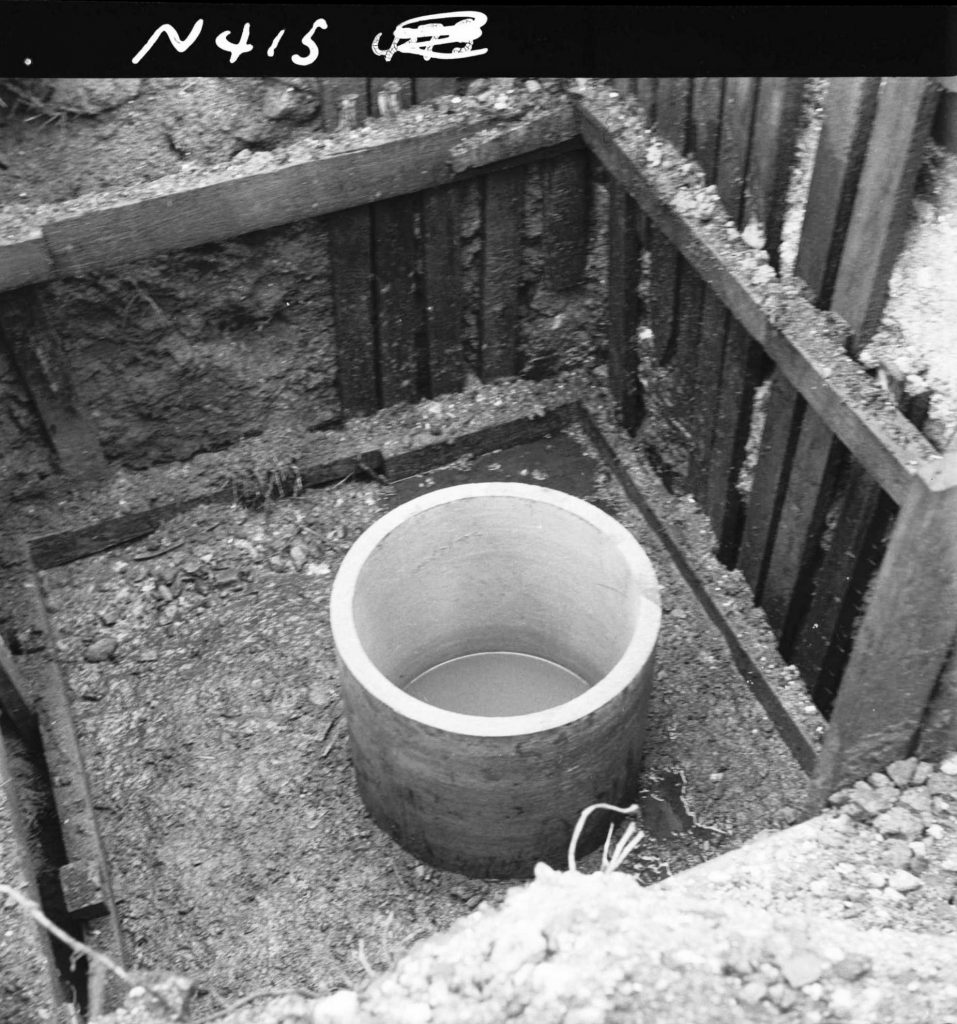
{"x": 35, "y": 350}
{"x": 743, "y": 366}
{"x": 71, "y": 789}
{"x": 646, "y": 89}
{"x": 904, "y": 640}
{"x": 565, "y": 220}
{"x": 389, "y": 96}
{"x": 800, "y": 525}
{"x": 501, "y": 272}
{"x": 626, "y": 86}
{"x": 706, "y": 103}
{"x": 801, "y": 341}
{"x": 821, "y": 647}
{"x": 14, "y": 700}
{"x": 737, "y": 118}
{"x": 441, "y": 287}
{"x": 647, "y": 501}
{"x": 394, "y": 256}
{"x": 25, "y": 261}
{"x": 688, "y": 308}
{"x": 479, "y": 442}
{"x": 778, "y": 439}
{"x": 425, "y": 89}
{"x": 674, "y": 96}
{"x": 350, "y": 244}
{"x": 707, "y": 390}
{"x": 938, "y": 732}
{"x": 848, "y": 115}
{"x": 50, "y": 550}
{"x": 196, "y": 214}
{"x": 772, "y": 153}
{"x": 344, "y": 99}
{"x": 882, "y": 204}
{"x": 663, "y": 293}
{"x": 624, "y": 273}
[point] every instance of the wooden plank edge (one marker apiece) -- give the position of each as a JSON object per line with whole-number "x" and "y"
{"x": 791, "y": 731}
{"x": 805, "y": 342}
{"x": 71, "y": 790}
{"x": 53, "y": 549}
{"x": 14, "y": 701}
{"x": 483, "y": 144}
{"x": 25, "y": 261}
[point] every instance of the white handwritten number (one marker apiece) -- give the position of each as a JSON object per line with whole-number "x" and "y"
{"x": 179, "y": 44}
{"x": 307, "y": 41}
{"x": 235, "y": 50}
{"x": 271, "y": 52}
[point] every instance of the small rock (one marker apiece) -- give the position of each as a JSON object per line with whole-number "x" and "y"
{"x": 317, "y": 569}
{"x": 921, "y": 773}
{"x": 949, "y": 765}
{"x": 533, "y": 85}
{"x": 802, "y": 969}
{"x": 935, "y": 831}
{"x": 875, "y": 879}
{"x": 108, "y": 616}
{"x": 873, "y": 801}
{"x": 878, "y": 780}
{"x": 949, "y": 864}
{"x": 297, "y": 556}
{"x": 148, "y": 654}
{"x": 341, "y": 1007}
{"x": 904, "y": 881}
{"x": 752, "y": 993}
{"x": 166, "y": 595}
{"x": 896, "y": 853}
{"x": 901, "y": 772}
{"x": 820, "y": 886}
{"x": 853, "y": 966}
{"x": 782, "y": 996}
{"x": 917, "y": 800}
{"x": 899, "y": 822}
{"x": 100, "y": 650}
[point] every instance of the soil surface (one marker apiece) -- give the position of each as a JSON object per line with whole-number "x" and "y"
{"x": 204, "y": 686}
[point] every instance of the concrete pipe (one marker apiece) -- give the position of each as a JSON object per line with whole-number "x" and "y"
{"x": 496, "y": 649}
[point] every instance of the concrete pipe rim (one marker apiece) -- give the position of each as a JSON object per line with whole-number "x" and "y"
{"x": 351, "y": 652}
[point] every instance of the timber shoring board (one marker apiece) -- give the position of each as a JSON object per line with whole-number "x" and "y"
{"x": 707, "y": 393}
{"x": 801, "y": 340}
{"x": 123, "y": 230}
{"x": 773, "y": 141}
{"x": 350, "y": 243}
{"x": 335, "y": 92}
{"x": 53, "y": 549}
{"x": 769, "y": 484}
{"x": 44, "y": 368}
{"x": 848, "y": 115}
{"x": 793, "y": 732}
{"x": 441, "y": 284}
{"x": 71, "y": 791}
{"x": 425, "y": 89}
{"x": 820, "y": 649}
{"x": 624, "y": 272}
{"x": 706, "y": 101}
{"x": 888, "y": 684}
{"x": 800, "y": 525}
{"x": 565, "y": 220}
{"x": 743, "y": 365}
{"x": 737, "y": 117}
{"x": 674, "y": 97}
{"x": 663, "y": 293}
{"x": 882, "y": 204}
{"x": 394, "y": 261}
{"x": 938, "y": 733}
{"x": 501, "y": 272}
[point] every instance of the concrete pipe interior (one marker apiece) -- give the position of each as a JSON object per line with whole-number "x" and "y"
{"x": 526, "y": 620}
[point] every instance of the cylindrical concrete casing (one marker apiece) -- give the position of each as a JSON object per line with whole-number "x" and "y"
{"x": 481, "y": 568}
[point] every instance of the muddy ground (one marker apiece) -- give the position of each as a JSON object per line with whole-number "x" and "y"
{"x": 204, "y": 684}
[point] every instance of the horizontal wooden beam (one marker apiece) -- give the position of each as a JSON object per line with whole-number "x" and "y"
{"x": 806, "y": 343}
{"x": 224, "y": 205}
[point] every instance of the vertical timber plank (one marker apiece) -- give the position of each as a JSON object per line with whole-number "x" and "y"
{"x": 425, "y": 89}
{"x": 800, "y": 524}
{"x": 819, "y": 649}
{"x": 848, "y": 115}
{"x": 393, "y": 242}
{"x": 624, "y": 271}
{"x": 387, "y": 96}
{"x": 737, "y": 116}
{"x": 901, "y": 127}
{"x": 706, "y": 99}
{"x": 624, "y": 86}
{"x": 501, "y": 272}
{"x": 442, "y": 287}
{"x": 784, "y": 411}
{"x": 663, "y": 292}
{"x": 688, "y": 311}
{"x": 743, "y": 365}
{"x": 938, "y": 735}
{"x": 335, "y": 91}
{"x": 674, "y": 96}
{"x": 36, "y": 351}
{"x": 350, "y": 246}
{"x": 711, "y": 344}
{"x": 646, "y": 89}
{"x": 565, "y": 220}
{"x": 904, "y": 641}
{"x": 772, "y": 153}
